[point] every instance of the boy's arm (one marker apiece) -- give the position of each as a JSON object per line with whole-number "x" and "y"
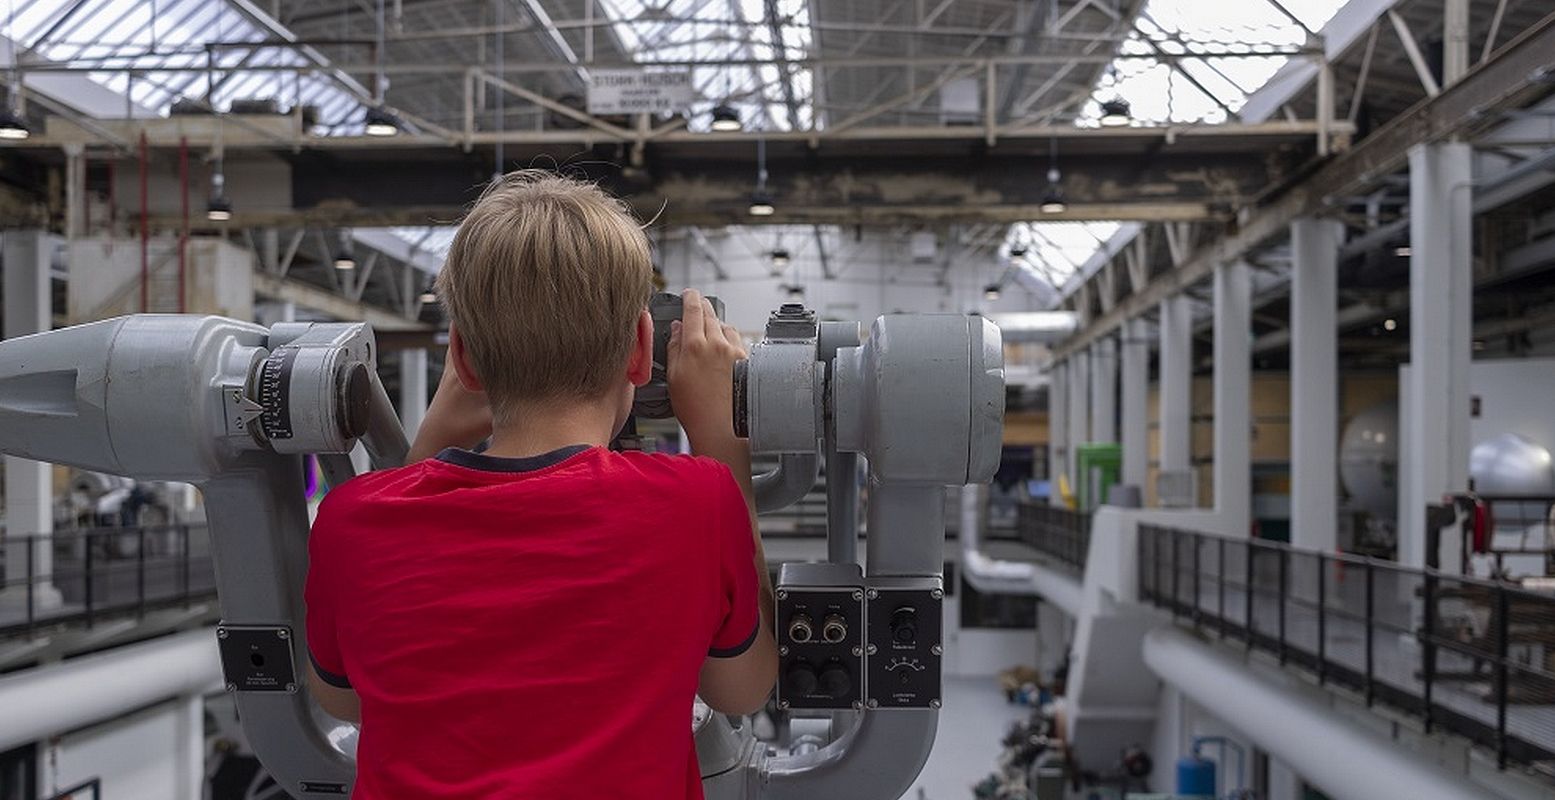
{"x": 702, "y": 352}
{"x": 457, "y": 417}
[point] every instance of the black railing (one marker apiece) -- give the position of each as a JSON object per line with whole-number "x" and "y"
{"x": 1470, "y": 656}
{"x": 1061, "y": 534}
{"x": 101, "y": 573}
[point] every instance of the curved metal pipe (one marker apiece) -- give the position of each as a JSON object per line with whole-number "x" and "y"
{"x": 999, "y": 576}
{"x": 877, "y": 760}
{"x": 794, "y": 477}
{"x": 1344, "y": 760}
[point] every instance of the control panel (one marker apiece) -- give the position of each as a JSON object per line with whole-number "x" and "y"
{"x": 905, "y": 647}
{"x": 820, "y": 636}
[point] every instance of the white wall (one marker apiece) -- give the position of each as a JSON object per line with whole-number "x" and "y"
{"x": 874, "y": 275}
{"x": 156, "y": 753}
{"x": 106, "y": 277}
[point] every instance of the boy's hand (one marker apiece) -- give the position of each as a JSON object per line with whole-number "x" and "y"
{"x": 701, "y": 355}
{"x": 457, "y": 417}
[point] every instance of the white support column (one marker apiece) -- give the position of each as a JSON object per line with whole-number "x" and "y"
{"x": 190, "y": 743}
{"x": 413, "y": 389}
{"x": 1057, "y": 426}
{"x": 29, "y": 486}
{"x": 1314, "y": 383}
{"x": 1455, "y": 44}
{"x": 1436, "y": 394}
{"x": 1104, "y": 390}
{"x": 1134, "y": 360}
{"x": 1176, "y": 384}
{"x": 1233, "y": 396}
{"x": 1079, "y": 408}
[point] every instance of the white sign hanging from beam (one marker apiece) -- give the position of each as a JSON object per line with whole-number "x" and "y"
{"x": 635, "y": 91}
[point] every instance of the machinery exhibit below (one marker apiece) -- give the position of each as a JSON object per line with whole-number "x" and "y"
{"x": 234, "y": 407}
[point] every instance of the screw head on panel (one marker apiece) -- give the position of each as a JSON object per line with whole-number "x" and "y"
{"x": 873, "y": 703}
{"x": 858, "y": 595}
{"x": 934, "y": 704}
{"x": 783, "y": 650}
{"x": 937, "y": 650}
{"x": 232, "y": 687}
{"x": 221, "y": 633}
{"x": 858, "y": 651}
{"x": 872, "y": 650}
{"x": 782, "y": 594}
{"x": 782, "y": 704}
{"x": 857, "y": 705}
{"x": 283, "y": 633}
{"x": 873, "y": 594}
{"x": 937, "y": 594}
{"x": 291, "y": 688}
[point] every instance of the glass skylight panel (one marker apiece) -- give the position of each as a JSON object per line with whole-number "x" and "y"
{"x": 1159, "y": 93}
{"x": 123, "y": 34}
{"x": 697, "y": 30}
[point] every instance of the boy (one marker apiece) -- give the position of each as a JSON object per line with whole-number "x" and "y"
{"x": 534, "y": 620}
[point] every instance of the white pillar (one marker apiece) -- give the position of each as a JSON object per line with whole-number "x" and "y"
{"x": 1057, "y": 426}
{"x": 1134, "y": 361}
{"x": 1233, "y": 395}
{"x": 1176, "y": 384}
{"x": 1079, "y": 407}
{"x": 1314, "y": 384}
{"x": 1104, "y": 390}
{"x": 1436, "y": 422}
{"x": 413, "y": 389}
{"x": 29, "y": 489}
{"x": 190, "y": 743}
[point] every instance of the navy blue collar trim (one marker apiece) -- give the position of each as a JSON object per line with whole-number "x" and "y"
{"x": 481, "y": 461}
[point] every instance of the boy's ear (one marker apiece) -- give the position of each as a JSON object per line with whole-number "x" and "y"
{"x": 461, "y": 362}
{"x": 639, "y": 368}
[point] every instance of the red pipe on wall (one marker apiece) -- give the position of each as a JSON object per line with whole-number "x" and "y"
{"x": 145, "y": 231}
{"x": 183, "y": 235}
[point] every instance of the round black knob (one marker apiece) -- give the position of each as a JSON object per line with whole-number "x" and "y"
{"x": 904, "y": 625}
{"x": 835, "y": 680}
{"x": 356, "y": 400}
{"x": 800, "y": 678}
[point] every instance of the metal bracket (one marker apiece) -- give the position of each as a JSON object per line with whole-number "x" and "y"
{"x": 257, "y": 658}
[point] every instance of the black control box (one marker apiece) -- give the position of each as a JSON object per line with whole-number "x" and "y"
{"x": 820, "y": 636}
{"x": 905, "y": 646}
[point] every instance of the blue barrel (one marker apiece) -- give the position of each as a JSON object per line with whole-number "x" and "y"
{"x": 1195, "y": 777}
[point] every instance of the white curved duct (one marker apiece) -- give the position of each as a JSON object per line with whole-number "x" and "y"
{"x": 1342, "y": 759}
{"x": 1043, "y": 327}
{"x": 42, "y": 702}
{"x": 997, "y": 576}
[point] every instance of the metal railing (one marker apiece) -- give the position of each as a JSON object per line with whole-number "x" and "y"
{"x": 101, "y": 573}
{"x": 1470, "y": 656}
{"x": 1059, "y": 533}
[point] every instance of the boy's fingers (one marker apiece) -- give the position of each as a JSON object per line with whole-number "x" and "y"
{"x": 691, "y": 314}
{"x": 674, "y": 343}
{"x": 714, "y": 325}
{"x": 732, "y": 334}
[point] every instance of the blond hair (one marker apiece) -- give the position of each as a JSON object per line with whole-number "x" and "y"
{"x": 545, "y": 280}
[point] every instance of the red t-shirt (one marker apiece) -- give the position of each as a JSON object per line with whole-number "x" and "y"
{"x": 530, "y": 627}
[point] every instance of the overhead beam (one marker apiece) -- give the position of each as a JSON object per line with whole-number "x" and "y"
{"x": 1517, "y": 76}
{"x": 324, "y": 301}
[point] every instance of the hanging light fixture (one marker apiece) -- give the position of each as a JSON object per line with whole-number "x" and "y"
{"x": 780, "y": 257}
{"x": 1053, "y": 198}
{"x": 12, "y": 126}
{"x": 217, "y": 207}
{"x": 1018, "y": 250}
{"x": 1115, "y": 113}
{"x": 1403, "y": 251}
{"x": 991, "y": 292}
{"x": 761, "y": 199}
{"x": 726, "y": 119}
{"x": 761, "y": 204}
{"x": 344, "y": 260}
{"x": 428, "y": 295}
{"x": 794, "y": 291}
{"x": 381, "y": 123}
